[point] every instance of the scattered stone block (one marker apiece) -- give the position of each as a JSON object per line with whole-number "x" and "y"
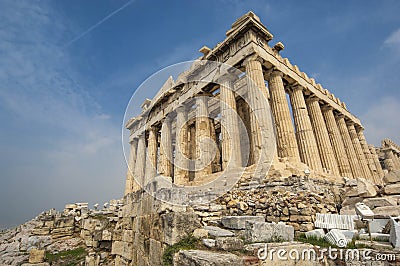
{"x": 268, "y": 232}
{"x": 218, "y": 232}
{"x": 378, "y": 225}
{"x": 392, "y": 189}
{"x": 380, "y": 202}
{"x": 317, "y": 233}
{"x": 375, "y": 236}
{"x": 392, "y": 177}
{"x": 206, "y": 258}
{"x": 363, "y": 189}
{"x": 349, "y": 234}
{"x": 239, "y": 222}
{"x": 208, "y": 242}
{"x": 364, "y": 211}
{"x": 200, "y": 233}
{"x": 387, "y": 211}
{"x": 229, "y": 243}
{"x": 334, "y": 221}
{"x": 394, "y": 238}
{"x": 36, "y": 255}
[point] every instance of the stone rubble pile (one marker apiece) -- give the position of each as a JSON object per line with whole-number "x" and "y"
{"x": 53, "y": 232}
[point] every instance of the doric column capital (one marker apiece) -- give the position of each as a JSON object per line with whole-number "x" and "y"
{"x": 133, "y": 139}
{"x": 326, "y": 107}
{"x": 251, "y": 58}
{"x": 296, "y": 87}
{"x": 166, "y": 120}
{"x": 276, "y": 72}
{"x": 349, "y": 122}
{"x": 312, "y": 98}
{"x": 359, "y": 127}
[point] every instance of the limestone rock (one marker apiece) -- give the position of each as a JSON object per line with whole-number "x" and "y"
{"x": 210, "y": 243}
{"x": 380, "y": 202}
{"x": 392, "y": 189}
{"x": 317, "y": 233}
{"x": 395, "y": 232}
{"x": 36, "y": 255}
{"x": 206, "y": 258}
{"x": 218, "y": 232}
{"x": 200, "y": 233}
{"x": 387, "y": 211}
{"x": 268, "y": 232}
{"x": 229, "y": 243}
{"x": 239, "y": 222}
{"x": 363, "y": 189}
{"x": 392, "y": 177}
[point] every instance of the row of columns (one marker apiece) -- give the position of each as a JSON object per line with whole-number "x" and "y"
{"x": 318, "y": 136}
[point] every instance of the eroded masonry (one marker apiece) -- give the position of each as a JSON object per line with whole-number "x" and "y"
{"x": 311, "y": 125}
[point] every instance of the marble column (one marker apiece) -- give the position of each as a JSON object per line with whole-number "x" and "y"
{"x": 181, "y": 174}
{"x": 204, "y": 147}
{"x": 390, "y": 156}
{"x": 260, "y": 119}
{"x": 369, "y": 157}
{"x": 376, "y": 161}
{"x": 285, "y": 136}
{"x": 362, "y": 161}
{"x": 141, "y": 159}
{"x": 231, "y": 151}
{"x": 326, "y": 152}
{"x": 151, "y": 161}
{"x": 336, "y": 142}
{"x": 349, "y": 147}
{"x": 396, "y": 160}
{"x": 131, "y": 184}
{"x": 304, "y": 133}
{"x": 166, "y": 155}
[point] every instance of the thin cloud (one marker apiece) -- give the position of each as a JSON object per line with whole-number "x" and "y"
{"x": 393, "y": 40}
{"x": 98, "y": 23}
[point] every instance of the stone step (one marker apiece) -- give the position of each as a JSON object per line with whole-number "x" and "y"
{"x": 239, "y": 222}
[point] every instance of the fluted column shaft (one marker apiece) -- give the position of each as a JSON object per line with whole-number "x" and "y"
{"x": 305, "y": 136}
{"x": 204, "y": 148}
{"x": 337, "y": 142}
{"x": 260, "y": 120}
{"x": 181, "y": 174}
{"x": 376, "y": 161}
{"x": 285, "y": 136}
{"x": 231, "y": 152}
{"x": 151, "y": 161}
{"x": 130, "y": 184}
{"x": 166, "y": 155}
{"x": 349, "y": 147}
{"x": 368, "y": 155}
{"x": 326, "y": 152}
{"x": 141, "y": 159}
{"x": 362, "y": 161}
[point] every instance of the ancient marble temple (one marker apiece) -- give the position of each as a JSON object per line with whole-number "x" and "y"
{"x": 259, "y": 92}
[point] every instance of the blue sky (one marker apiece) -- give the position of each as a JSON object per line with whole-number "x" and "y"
{"x": 69, "y": 68}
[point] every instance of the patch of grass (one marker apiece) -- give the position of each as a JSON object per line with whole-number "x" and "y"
{"x": 353, "y": 245}
{"x": 189, "y": 242}
{"x": 68, "y": 257}
{"x": 315, "y": 241}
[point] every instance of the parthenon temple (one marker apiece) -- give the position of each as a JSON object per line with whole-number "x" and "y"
{"x": 197, "y": 126}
